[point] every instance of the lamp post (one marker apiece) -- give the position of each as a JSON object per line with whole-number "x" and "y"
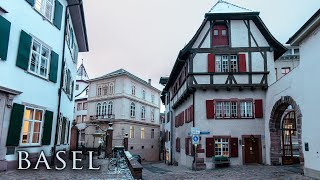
{"x": 125, "y": 142}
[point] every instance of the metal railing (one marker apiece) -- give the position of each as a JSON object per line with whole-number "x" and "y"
{"x": 102, "y": 117}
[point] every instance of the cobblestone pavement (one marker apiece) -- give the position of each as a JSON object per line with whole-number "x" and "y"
{"x": 67, "y": 173}
{"x": 159, "y": 170}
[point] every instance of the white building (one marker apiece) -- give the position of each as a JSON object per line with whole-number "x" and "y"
{"x": 132, "y": 105}
{"x": 218, "y": 84}
{"x": 298, "y": 90}
{"x": 287, "y": 62}
{"x": 39, "y": 44}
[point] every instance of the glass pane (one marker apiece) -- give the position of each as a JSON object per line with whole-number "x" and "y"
{"x": 35, "y": 138}
{"x": 26, "y": 127}
{"x": 38, "y": 115}
{"x": 34, "y": 62}
{"x": 45, "y": 52}
{"x": 28, "y": 114}
{"x": 25, "y": 138}
{"x": 37, "y": 5}
{"x": 48, "y": 11}
{"x": 36, "y": 46}
{"x": 36, "y": 128}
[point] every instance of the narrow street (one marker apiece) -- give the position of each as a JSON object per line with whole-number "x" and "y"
{"x": 162, "y": 171}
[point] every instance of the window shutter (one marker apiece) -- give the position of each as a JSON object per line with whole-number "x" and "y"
{"x": 68, "y": 126}
{"x": 209, "y": 147}
{"x": 192, "y": 114}
{"x": 64, "y": 122}
{"x": 210, "y": 109}
{"x": 4, "y": 36}
{"x": 233, "y": 147}
{"x": 15, "y": 126}
{"x": 186, "y": 115}
{"x": 24, "y": 50}
{"x": 31, "y": 2}
{"x": 242, "y": 63}
{"x": 57, "y": 18}
{"x": 53, "y": 73}
{"x": 72, "y": 88}
{"x": 47, "y": 128}
{"x": 258, "y": 108}
{"x": 211, "y": 63}
{"x": 187, "y": 146}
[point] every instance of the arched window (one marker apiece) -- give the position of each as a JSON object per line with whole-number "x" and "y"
{"x": 111, "y": 87}
{"x": 143, "y": 112}
{"x": 133, "y": 110}
{"x": 110, "y": 106}
{"x": 104, "y": 109}
{"x": 152, "y": 115}
{"x": 98, "y": 109}
{"x": 105, "y": 90}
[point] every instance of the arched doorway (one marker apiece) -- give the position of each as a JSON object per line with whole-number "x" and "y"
{"x": 285, "y": 132}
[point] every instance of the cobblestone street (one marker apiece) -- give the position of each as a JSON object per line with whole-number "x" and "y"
{"x": 67, "y": 173}
{"x": 162, "y": 171}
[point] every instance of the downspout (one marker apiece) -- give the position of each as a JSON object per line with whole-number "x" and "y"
{"x": 171, "y": 129}
{"x": 61, "y": 83}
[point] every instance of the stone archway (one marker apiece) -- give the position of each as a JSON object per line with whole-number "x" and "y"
{"x": 275, "y": 133}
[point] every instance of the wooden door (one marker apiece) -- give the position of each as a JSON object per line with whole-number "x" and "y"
{"x": 251, "y": 148}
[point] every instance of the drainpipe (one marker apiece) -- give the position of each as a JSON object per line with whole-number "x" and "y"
{"x": 61, "y": 82}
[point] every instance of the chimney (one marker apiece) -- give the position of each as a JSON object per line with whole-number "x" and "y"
{"x": 149, "y": 81}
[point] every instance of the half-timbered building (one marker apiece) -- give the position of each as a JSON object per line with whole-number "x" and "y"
{"x": 218, "y": 84}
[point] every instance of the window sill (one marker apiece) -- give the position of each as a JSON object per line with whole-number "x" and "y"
{"x": 36, "y": 75}
{"x": 44, "y": 18}
{"x": 28, "y": 146}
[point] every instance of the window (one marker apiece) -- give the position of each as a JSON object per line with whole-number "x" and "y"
{"x": 87, "y": 90}
{"x": 105, "y": 89}
{"x": 110, "y": 108}
{"x": 79, "y": 119}
{"x": 133, "y": 90}
{"x": 79, "y": 105}
{"x": 131, "y": 132}
{"x": 142, "y": 147}
{"x": 68, "y": 82}
{"x": 222, "y": 63}
{"x": 77, "y": 86}
{"x": 84, "y": 118}
{"x": 285, "y": 70}
{"x": 143, "y": 94}
{"x": 215, "y": 32}
{"x": 152, "y": 98}
{"x": 85, "y": 106}
{"x": 226, "y": 109}
{"x": 45, "y": 7}
{"x": 111, "y": 86}
{"x": 143, "y": 112}
{"x": 221, "y": 147}
{"x": 152, "y": 133}
{"x": 276, "y": 71}
{"x": 142, "y": 133}
{"x": 152, "y": 115}
{"x": 98, "y": 109}
{"x": 296, "y": 51}
{"x": 223, "y": 32}
{"x": 60, "y": 127}
{"x": 133, "y": 110}
{"x": 246, "y": 109}
{"x": 104, "y": 109}
{"x": 32, "y": 125}
{"x": 99, "y": 91}
{"x": 39, "y": 59}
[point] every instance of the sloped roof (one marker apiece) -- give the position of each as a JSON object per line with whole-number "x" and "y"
{"x": 82, "y": 73}
{"x": 120, "y": 72}
{"x": 226, "y": 7}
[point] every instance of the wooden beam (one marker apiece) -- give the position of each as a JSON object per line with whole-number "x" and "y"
{"x": 229, "y": 50}
{"x": 227, "y": 73}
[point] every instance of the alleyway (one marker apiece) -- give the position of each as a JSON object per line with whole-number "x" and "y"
{"x": 161, "y": 171}
{"x": 42, "y": 173}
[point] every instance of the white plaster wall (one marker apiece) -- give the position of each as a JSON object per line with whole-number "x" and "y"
{"x": 206, "y": 42}
{"x": 239, "y": 34}
{"x": 285, "y": 63}
{"x": 257, "y": 36}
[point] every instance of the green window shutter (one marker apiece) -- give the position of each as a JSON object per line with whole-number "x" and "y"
{"x": 57, "y": 18}
{"x": 47, "y": 128}
{"x": 53, "y": 73}
{"x": 64, "y": 122}
{"x": 68, "y": 126}
{"x": 15, "y": 126}
{"x": 31, "y": 2}
{"x": 24, "y": 50}
{"x": 72, "y": 87}
{"x": 4, "y": 36}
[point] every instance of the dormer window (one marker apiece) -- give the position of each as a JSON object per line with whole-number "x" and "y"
{"x": 220, "y": 35}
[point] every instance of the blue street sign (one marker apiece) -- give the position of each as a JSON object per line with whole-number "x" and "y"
{"x": 205, "y": 132}
{"x": 195, "y": 139}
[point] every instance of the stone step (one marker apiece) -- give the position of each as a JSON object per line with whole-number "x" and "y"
{"x": 200, "y": 150}
{"x": 200, "y": 160}
{"x": 199, "y": 166}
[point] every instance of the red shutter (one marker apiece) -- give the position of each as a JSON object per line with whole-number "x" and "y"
{"x": 211, "y": 62}
{"x": 192, "y": 148}
{"x": 242, "y": 63}
{"x": 258, "y": 108}
{"x": 187, "y": 145}
{"x": 182, "y": 114}
{"x": 209, "y": 147}
{"x": 210, "y": 109}
{"x": 186, "y": 116}
{"x": 192, "y": 114}
{"x": 233, "y": 147}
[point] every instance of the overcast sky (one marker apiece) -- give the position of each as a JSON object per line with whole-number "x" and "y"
{"x": 145, "y": 36}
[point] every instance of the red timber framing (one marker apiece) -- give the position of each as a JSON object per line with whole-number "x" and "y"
{"x": 248, "y": 137}
{"x": 211, "y": 108}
